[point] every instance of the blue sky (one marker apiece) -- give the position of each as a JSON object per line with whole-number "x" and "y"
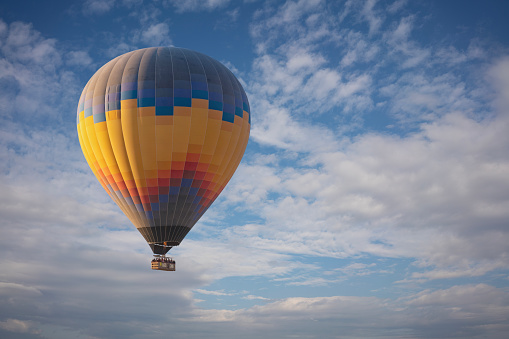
{"x": 372, "y": 200}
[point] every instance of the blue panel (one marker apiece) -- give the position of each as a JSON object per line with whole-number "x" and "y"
{"x": 182, "y": 92}
{"x": 239, "y": 112}
{"x": 163, "y": 198}
{"x": 193, "y": 190}
{"x": 154, "y": 206}
{"x": 186, "y": 182}
{"x": 139, "y": 208}
{"x": 229, "y": 108}
{"x": 162, "y": 110}
{"x": 129, "y": 201}
{"x": 183, "y": 102}
{"x": 146, "y": 93}
{"x": 99, "y": 118}
{"x": 216, "y": 96}
{"x": 230, "y": 117}
{"x": 199, "y": 85}
{"x": 199, "y": 94}
{"x": 164, "y": 101}
{"x": 174, "y": 190}
{"x": 113, "y": 101}
{"x": 149, "y": 214}
{"x": 88, "y": 112}
{"x": 215, "y": 105}
{"x": 126, "y": 95}
{"x": 146, "y": 102}
{"x": 98, "y": 108}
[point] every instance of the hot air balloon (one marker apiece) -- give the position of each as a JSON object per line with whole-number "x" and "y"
{"x": 163, "y": 129}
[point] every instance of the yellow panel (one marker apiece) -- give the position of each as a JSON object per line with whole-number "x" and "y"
{"x": 237, "y": 153}
{"x": 227, "y": 157}
{"x": 199, "y": 120}
{"x": 117, "y": 144}
{"x": 179, "y": 156}
{"x": 200, "y": 103}
{"x": 231, "y": 147}
{"x": 222, "y": 145}
{"x": 164, "y": 144}
{"x": 94, "y": 144}
{"x": 211, "y": 136}
{"x": 112, "y": 167}
{"x": 85, "y": 148}
{"x": 96, "y": 150}
{"x": 181, "y": 131}
{"x": 181, "y": 111}
{"x": 147, "y": 129}
{"x": 132, "y": 141}
{"x": 146, "y": 111}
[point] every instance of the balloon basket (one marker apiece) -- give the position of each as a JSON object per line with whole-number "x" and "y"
{"x": 163, "y": 263}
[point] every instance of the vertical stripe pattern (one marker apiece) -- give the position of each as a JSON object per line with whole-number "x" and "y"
{"x": 163, "y": 129}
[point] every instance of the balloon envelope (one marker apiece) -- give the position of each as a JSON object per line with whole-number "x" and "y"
{"x": 163, "y": 129}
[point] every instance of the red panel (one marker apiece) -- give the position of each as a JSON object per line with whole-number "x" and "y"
{"x": 151, "y": 182}
{"x": 164, "y": 181}
{"x": 193, "y": 157}
{"x": 153, "y": 190}
{"x": 177, "y": 174}
{"x": 133, "y": 192}
{"x": 191, "y": 166}
{"x": 163, "y": 173}
{"x": 199, "y": 175}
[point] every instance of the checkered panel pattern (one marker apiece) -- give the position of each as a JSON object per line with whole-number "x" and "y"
{"x": 163, "y": 129}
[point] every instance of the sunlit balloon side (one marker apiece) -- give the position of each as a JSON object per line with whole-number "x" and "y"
{"x": 163, "y": 129}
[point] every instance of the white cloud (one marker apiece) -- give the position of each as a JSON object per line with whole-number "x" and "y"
{"x": 372, "y": 16}
{"x": 79, "y": 58}
{"x": 156, "y": 35}
{"x": 254, "y": 297}
{"x": 196, "y": 5}
{"x": 396, "y": 6}
{"x": 420, "y": 96}
{"x": 92, "y": 7}
{"x": 217, "y": 293}
{"x": 18, "y": 326}
{"x": 33, "y": 85}
{"x": 498, "y": 75}
{"x": 472, "y": 310}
